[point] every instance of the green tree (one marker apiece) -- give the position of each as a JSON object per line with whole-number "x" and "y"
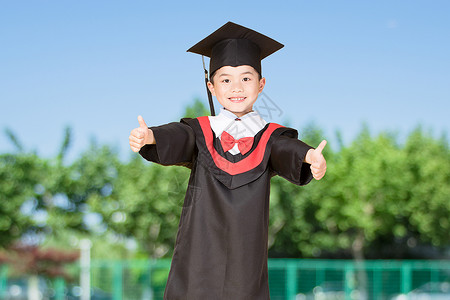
{"x": 146, "y": 200}
{"x": 145, "y": 204}
{"x": 292, "y": 208}
{"x": 377, "y": 199}
{"x": 197, "y": 109}
{"x": 20, "y": 175}
{"x": 378, "y": 196}
{"x": 428, "y": 205}
{"x": 68, "y": 188}
{"x": 364, "y": 193}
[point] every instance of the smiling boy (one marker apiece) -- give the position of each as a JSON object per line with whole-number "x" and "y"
{"x": 237, "y": 88}
{"x": 221, "y": 246}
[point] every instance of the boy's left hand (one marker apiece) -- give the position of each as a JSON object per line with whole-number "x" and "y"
{"x": 318, "y": 163}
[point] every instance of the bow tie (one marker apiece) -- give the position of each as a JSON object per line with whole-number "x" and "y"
{"x": 228, "y": 142}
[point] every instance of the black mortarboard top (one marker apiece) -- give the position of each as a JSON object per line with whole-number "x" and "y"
{"x": 234, "y": 45}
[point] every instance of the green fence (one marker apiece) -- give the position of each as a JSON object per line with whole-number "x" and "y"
{"x": 288, "y": 279}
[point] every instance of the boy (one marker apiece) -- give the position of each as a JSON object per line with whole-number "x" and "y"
{"x": 221, "y": 245}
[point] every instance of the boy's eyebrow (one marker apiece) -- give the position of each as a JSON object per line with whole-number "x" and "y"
{"x": 247, "y": 72}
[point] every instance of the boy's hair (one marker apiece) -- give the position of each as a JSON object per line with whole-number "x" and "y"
{"x": 211, "y": 78}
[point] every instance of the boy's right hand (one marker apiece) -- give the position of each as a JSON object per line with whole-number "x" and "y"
{"x": 141, "y": 136}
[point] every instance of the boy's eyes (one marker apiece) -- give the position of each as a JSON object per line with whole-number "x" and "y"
{"x": 243, "y": 79}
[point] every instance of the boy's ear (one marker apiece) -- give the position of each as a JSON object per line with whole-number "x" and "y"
{"x": 262, "y": 83}
{"x": 211, "y": 88}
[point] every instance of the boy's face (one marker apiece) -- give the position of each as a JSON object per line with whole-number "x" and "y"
{"x": 237, "y": 88}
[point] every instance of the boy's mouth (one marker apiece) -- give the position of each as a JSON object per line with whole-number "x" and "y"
{"x": 237, "y": 99}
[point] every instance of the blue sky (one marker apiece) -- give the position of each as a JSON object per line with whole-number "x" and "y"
{"x": 96, "y": 65}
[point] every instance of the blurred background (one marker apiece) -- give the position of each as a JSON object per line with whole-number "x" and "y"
{"x": 371, "y": 78}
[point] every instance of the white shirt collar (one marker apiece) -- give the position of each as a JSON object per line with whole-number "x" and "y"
{"x": 246, "y": 126}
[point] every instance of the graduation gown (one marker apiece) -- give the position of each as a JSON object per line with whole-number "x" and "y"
{"x": 221, "y": 245}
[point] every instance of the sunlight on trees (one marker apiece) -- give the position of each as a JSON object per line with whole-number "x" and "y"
{"x": 379, "y": 199}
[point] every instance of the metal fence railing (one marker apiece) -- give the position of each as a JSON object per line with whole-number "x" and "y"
{"x": 292, "y": 279}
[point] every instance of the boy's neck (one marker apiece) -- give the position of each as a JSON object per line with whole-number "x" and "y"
{"x": 239, "y": 115}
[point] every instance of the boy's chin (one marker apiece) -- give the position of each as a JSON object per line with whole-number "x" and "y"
{"x": 239, "y": 113}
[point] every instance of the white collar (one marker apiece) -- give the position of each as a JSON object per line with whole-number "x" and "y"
{"x": 246, "y": 126}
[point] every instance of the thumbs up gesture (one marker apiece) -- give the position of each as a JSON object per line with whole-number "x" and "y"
{"x": 318, "y": 163}
{"x": 141, "y": 136}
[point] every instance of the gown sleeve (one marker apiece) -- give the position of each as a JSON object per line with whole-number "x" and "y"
{"x": 175, "y": 145}
{"x": 286, "y": 160}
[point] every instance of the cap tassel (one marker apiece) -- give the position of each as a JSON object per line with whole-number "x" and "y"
{"x": 211, "y": 104}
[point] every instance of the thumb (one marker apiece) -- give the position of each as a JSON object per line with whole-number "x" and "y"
{"x": 321, "y": 146}
{"x": 142, "y": 122}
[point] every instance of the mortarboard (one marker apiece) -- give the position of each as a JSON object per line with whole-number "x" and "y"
{"x": 234, "y": 45}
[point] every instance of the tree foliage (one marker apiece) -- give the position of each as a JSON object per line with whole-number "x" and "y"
{"x": 380, "y": 198}
{"x": 19, "y": 176}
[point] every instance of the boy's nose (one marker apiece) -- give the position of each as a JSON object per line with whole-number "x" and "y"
{"x": 237, "y": 87}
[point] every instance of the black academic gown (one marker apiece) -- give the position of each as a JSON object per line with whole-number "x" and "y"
{"x": 221, "y": 246}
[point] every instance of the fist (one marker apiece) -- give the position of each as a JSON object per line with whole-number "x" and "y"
{"x": 140, "y": 136}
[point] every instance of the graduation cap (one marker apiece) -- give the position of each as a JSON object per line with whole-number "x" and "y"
{"x": 234, "y": 45}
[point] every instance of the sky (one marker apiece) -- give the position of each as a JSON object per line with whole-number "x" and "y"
{"x": 96, "y": 65}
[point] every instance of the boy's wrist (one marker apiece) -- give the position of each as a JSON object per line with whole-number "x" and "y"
{"x": 150, "y": 138}
{"x": 308, "y": 156}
